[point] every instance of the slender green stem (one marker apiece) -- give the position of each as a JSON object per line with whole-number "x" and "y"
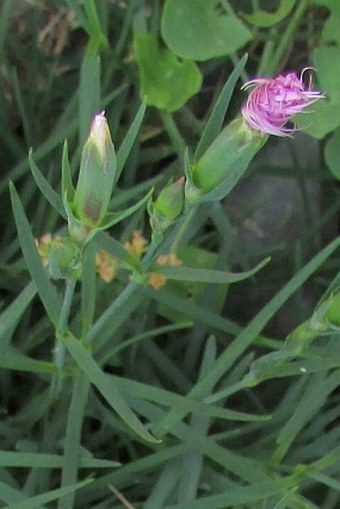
{"x": 59, "y": 349}
{"x": 99, "y": 329}
{"x": 267, "y": 54}
{"x": 72, "y": 445}
{"x": 173, "y": 132}
{"x": 287, "y": 37}
{"x": 182, "y": 229}
{"x": 59, "y": 353}
{"x": 67, "y": 304}
{"x": 4, "y": 22}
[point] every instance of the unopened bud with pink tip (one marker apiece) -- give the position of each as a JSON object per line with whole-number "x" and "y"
{"x": 96, "y": 176}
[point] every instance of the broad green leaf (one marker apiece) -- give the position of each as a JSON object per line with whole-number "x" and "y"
{"x": 332, "y": 153}
{"x": 195, "y": 29}
{"x": 267, "y": 19}
{"x": 46, "y": 290}
{"x": 214, "y": 124}
{"x": 181, "y": 273}
{"x": 166, "y": 81}
{"x": 327, "y": 63}
{"x": 322, "y": 119}
{"x": 325, "y": 114}
{"x": 105, "y": 386}
{"x": 331, "y": 29}
{"x": 332, "y": 5}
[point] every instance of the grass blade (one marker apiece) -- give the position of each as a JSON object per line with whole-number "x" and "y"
{"x": 46, "y": 290}
{"x": 105, "y": 386}
{"x": 215, "y": 122}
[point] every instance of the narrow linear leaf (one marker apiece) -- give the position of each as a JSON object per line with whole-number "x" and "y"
{"x": 51, "y": 196}
{"x": 238, "y": 496}
{"x": 46, "y": 290}
{"x": 9, "y": 495}
{"x": 130, "y": 138}
{"x": 67, "y": 187}
{"x": 95, "y": 31}
{"x": 72, "y": 441}
{"x": 105, "y": 386}
{"x": 181, "y": 273}
{"x": 39, "y": 460}
{"x": 109, "y": 244}
{"x": 250, "y": 332}
{"x": 117, "y": 313}
{"x": 89, "y": 90}
{"x": 113, "y": 218}
{"x": 15, "y": 310}
{"x": 23, "y": 363}
{"x": 214, "y": 124}
{"x": 247, "y": 335}
{"x": 36, "y": 501}
{"x": 198, "y": 313}
{"x": 166, "y": 398}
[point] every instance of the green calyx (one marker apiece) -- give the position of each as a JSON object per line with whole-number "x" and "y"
{"x": 224, "y": 162}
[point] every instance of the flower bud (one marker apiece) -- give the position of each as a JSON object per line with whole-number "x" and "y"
{"x": 168, "y": 206}
{"x": 333, "y": 311}
{"x": 97, "y": 175}
{"x": 225, "y": 161}
{"x": 60, "y": 255}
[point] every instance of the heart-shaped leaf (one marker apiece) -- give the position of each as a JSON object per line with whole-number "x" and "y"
{"x": 166, "y": 81}
{"x": 197, "y": 30}
{"x": 332, "y": 153}
{"x": 265, "y": 19}
{"x": 325, "y": 115}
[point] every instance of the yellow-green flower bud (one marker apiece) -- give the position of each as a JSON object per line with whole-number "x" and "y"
{"x": 168, "y": 205}
{"x": 225, "y": 161}
{"x": 333, "y": 312}
{"x": 97, "y": 175}
{"x": 65, "y": 259}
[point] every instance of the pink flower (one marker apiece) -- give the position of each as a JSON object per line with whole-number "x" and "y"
{"x": 272, "y": 102}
